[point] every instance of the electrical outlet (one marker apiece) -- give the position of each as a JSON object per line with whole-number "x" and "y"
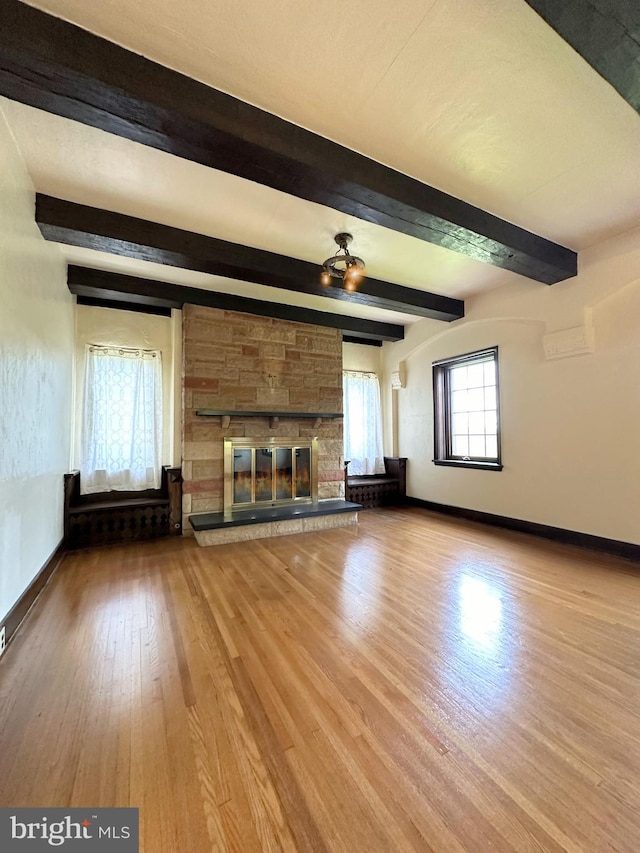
{"x": 3, "y": 641}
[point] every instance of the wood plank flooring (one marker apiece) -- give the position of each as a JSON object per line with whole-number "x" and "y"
{"x": 415, "y": 684}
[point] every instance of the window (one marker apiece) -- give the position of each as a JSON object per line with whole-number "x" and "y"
{"x": 122, "y": 422}
{"x": 467, "y": 411}
{"x": 362, "y": 423}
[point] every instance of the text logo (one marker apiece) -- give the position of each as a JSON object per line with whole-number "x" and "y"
{"x": 33, "y": 830}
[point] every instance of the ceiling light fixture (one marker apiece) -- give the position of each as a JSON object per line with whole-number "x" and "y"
{"x": 345, "y": 266}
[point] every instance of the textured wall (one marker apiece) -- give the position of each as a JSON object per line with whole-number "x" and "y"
{"x": 570, "y": 426}
{"x": 36, "y": 350}
{"x": 362, "y": 357}
{"x": 242, "y": 362}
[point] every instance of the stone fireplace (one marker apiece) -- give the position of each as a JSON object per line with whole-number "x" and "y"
{"x": 274, "y": 384}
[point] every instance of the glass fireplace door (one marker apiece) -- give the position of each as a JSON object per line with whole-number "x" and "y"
{"x": 268, "y": 472}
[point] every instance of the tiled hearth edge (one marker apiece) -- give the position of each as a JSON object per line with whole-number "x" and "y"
{"x": 247, "y": 365}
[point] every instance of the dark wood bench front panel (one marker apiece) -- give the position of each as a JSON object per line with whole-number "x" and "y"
{"x": 110, "y": 517}
{"x": 378, "y": 489}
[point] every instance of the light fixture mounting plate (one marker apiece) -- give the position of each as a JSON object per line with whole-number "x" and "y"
{"x": 343, "y": 239}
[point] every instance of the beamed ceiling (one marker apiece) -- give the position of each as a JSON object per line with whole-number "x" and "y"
{"x": 209, "y": 151}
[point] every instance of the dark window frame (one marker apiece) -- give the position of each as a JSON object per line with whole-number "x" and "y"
{"x": 442, "y": 419}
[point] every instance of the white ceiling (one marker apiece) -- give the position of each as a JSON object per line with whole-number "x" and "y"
{"x": 480, "y": 99}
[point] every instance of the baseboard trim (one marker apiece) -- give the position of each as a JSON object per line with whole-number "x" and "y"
{"x": 556, "y": 534}
{"x": 18, "y": 613}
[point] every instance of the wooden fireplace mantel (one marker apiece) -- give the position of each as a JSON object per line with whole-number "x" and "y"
{"x": 274, "y": 417}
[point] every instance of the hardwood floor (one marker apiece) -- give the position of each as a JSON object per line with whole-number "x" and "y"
{"x": 416, "y": 684}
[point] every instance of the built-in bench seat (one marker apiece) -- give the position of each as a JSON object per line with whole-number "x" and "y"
{"x": 374, "y": 490}
{"x": 108, "y": 517}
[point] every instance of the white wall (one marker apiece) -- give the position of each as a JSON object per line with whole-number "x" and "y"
{"x": 36, "y": 354}
{"x": 570, "y": 427}
{"x": 362, "y": 357}
{"x": 111, "y": 327}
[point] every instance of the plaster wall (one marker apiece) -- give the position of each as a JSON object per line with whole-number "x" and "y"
{"x": 362, "y": 357}
{"x": 36, "y": 355}
{"x": 570, "y": 425}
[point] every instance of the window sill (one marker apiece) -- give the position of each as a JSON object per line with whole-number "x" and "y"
{"x": 458, "y": 463}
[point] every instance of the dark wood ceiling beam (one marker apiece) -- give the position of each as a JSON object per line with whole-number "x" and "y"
{"x": 53, "y": 65}
{"x": 92, "y": 228}
{"x": 139, "y": 308}
{"x": 606, "y": 33}
{"x": 112, "y": 289}
{"x": 348, "y": 339}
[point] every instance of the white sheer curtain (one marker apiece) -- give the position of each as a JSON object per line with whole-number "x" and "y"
{"x": 362, "y": 423}
{"x": 122, "y": 423}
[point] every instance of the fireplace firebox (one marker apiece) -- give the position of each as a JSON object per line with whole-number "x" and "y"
{"x": 260, "y": 472}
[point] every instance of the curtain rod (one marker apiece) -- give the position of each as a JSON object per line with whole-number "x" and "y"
{"x": 116, "y": 348}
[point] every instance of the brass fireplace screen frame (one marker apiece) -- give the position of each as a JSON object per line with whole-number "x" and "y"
{"x": 272, "y": 445}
